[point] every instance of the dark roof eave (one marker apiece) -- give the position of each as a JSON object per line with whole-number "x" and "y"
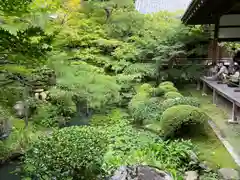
{"x": 188, "y": 11}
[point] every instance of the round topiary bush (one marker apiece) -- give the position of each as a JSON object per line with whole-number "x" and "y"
{"x": 145, "y": 88}
{"x": 167, "y": 88}
{"x": 172, "y": 95}
{"x": 166, "y": 83}
{"x": 69, "y": 153}
{"x": 179, "y": 101}
{"x": 176, "y": 118}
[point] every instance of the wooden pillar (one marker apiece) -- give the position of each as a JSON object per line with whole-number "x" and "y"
{"x": 215, "y": 42}
{"x": 214, "y": 97}
{"x": 234, "y": 114}
{"x": 204, "y": 90}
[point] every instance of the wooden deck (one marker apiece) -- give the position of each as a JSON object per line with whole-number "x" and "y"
{"x": 226, "y": 92}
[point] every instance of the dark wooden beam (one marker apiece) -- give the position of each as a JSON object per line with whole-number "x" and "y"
{"x": 215, "y": 41}
{"x": 206, "y": 11}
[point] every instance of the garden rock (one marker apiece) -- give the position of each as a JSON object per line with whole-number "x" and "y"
{"x": 204, "y": 166}
{"x": 140, "y": 173}
{"x": 19, "y": 107}
{"x": 191, "y": 175}
{"x": 193, "y": 157}
{"x": 228, "y": 174}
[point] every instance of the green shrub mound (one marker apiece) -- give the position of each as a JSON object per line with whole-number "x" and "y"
{"x": 145, "y": 88}
{"x": 142, "y": 108}
{"x": 166, "y": 83}
{"x": 157, "y": 92}
{"x": 69, "y": 153}
{"x": 172, "y": 95}
{"x": 179, "y": 101}
{"x": 176, "y": 118}
{"x": 167, "y": 88}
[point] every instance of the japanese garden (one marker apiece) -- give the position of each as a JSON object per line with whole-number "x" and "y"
{"x": 96, "y": 90}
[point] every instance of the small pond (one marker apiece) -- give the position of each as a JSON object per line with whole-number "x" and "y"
{"x": 6, "y": 171}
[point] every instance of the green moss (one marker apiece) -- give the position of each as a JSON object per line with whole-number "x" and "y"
{"x": 210, "y": 147}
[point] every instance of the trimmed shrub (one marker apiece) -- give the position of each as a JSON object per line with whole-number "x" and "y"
{"x": 157, "y": 92}
{"x": 145, "y": 88}
{"x": 172, "y": 95}
{"x": 175, "y": 118}
{"x": 167, "y": 88}
{"x": 166, "y": 83}
{"x": 69, "y": 153}
{"x": 142, "y": 107}
{"x": 179, "y": 101}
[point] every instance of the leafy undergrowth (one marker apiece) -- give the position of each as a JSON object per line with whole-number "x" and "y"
{"x": 19, "y": 138}
{"x": 211, "y": 149}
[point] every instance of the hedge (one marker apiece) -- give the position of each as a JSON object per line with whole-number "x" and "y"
{"x": 166, "y": 83}
{"x": 179, "y": 101}
{"x": 172, "y": 95}
{"x": 176, "y": 117}
{"x": 167, "y": 88}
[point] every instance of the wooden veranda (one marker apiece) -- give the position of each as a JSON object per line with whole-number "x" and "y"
{"x": 224, "y": 15}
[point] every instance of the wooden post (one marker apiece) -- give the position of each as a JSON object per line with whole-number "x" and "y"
{"x": 215, "y": 42}
{"x": 199, "y": 84}
{"x": 204, "y": 90}
{"x": 233, "y": 119}
{"x": 214, "y": 97}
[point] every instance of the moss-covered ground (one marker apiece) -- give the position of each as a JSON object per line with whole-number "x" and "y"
{"x": 211, "y": 149}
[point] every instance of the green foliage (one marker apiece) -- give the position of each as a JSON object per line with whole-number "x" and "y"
{"x": 170, "y": 156}
{"x": 179, "y": 101}
{"x": 167, "y": 88}
{"x": 48, "y": 115}
{"x": 143, "y": 70}
{"x": 147, "y": 88}
{"x": 116, "y": 116}
{"x": 166, "y": 83}
{"x": 14, "y": 6}
{"x": 172, "y": 95}
{"x": 209, "y": 176}
{"x": 176, "y": 118}
{"x": 4, "y": 121}
{"x": 84, "y": 83}
{"x": 10, "y": 94}
{"x": 18, "y": 142}
{"x": 76, "y": 152}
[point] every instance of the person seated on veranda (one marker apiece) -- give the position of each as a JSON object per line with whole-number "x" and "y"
{"x": 234, "y": 78}
{"x": 221, "y": 74}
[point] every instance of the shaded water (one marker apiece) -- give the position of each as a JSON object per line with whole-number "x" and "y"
{"x": 7, "y": 171}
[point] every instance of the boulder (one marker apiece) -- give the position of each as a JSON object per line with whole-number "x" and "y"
{"x": 203, "y": 165}
{"x": 228, "y": 174}
{"x": 193, "y": 157}
{"x": 140, "y": 173}
{"x": 19, "y": 108}
{"x": 191, "y": 175}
